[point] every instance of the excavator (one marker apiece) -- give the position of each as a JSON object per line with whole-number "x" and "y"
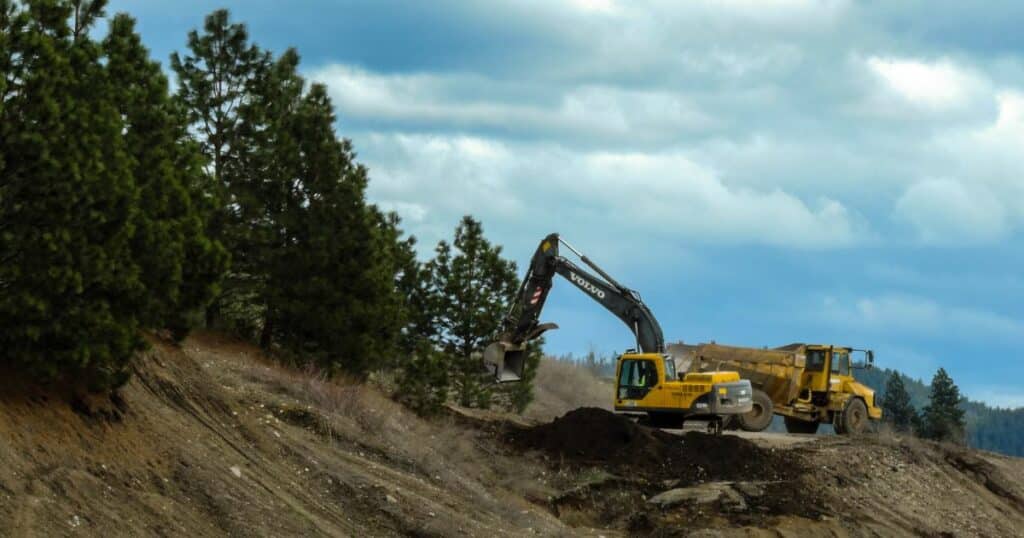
{"x": 646, "y": 382}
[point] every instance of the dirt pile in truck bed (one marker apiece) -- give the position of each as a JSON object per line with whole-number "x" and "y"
{"x": 592, "y": 436}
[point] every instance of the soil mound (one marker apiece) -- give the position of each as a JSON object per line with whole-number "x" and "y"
{"x": 592, "y": 436}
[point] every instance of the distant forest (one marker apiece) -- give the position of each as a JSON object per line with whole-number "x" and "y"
{"x": 988, "y": 428}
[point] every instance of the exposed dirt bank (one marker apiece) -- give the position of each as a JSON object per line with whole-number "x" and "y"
{"x": 210, "y": 439}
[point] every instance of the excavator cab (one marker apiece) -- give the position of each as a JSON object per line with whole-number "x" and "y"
{"x": 647, "y": 385}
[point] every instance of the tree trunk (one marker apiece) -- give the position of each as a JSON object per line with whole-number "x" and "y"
{"x": 212, "y": 313}
{"x": 267, "y": 334}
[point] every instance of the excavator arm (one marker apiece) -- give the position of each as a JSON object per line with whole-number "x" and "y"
{"x": 506, "y": 357}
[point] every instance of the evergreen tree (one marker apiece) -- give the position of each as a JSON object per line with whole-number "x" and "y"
{"x": 333, "y": 280}
{"x": 896, "y": 407}
{"x": 474, "y": 287}
{"x": 67, "y": 201}
{"x": 988, "y": 428}
{"x": 423, "y": 380}
{"x": 216, "y": 82}
{"x": 412, "y": 284}
{"x": 411, "y": 309}
{"x": 313, "y": 264}
{"x": 943, "y": 419}
{"x": 12, "y": 27}
{"x": 179, "y": 265}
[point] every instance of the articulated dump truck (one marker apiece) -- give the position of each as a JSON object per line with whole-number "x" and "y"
{"x": 806, "y": 384}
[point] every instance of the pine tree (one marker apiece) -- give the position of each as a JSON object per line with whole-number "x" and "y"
{"x": 896, "y": 407}
{"x": 12, "y": 27}
{"x": 474, "y": 287}
{"x": 216, "y": 82}
{"x": 424, "y": 379}
{"x": 334, "y": 291}
{"x": 313, "y": 264}
{"x": 412, "y": 285}
{"x": 67, "y": 201}
{"x": 943, "y": 418}
{"x": 179, "y": 265}
{"x": 411, "y": 311}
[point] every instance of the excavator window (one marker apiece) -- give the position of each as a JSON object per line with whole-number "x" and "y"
{"x": 636, "y": 377}
{"x": 670, "y": 368}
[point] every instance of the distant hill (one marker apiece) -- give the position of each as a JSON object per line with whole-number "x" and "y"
{"x": 988, "y": 428}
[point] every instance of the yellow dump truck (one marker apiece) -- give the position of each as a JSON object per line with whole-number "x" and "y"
{"x": 806, "y": 384}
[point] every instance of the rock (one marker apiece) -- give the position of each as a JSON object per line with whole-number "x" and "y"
{"x": 750, "y": 489}
{"x": 702, "y": 494}
{"x": 733, "y": 501}
{"x": 235, "y": 470}
{"x": 390, "y": 499}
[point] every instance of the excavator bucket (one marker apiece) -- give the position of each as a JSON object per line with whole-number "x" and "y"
{"x": 505, "y": 361}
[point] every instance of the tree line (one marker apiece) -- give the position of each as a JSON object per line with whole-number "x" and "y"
{"x": 230, "y": 203}
{"x": 939, "y": 411}
{"x": 941, "y": 419}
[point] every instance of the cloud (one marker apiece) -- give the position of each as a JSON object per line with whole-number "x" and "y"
{"x": 990, "y": 151}
{"x": 906, "y": 313}
{"x": 981, "y": 197}
{"x": 944, "y": 211}
{"x": 934, "y": 85}
{"x": 665, "y": 194}
{"x": 459, "y": 102}
{"x": 600, "y": 6}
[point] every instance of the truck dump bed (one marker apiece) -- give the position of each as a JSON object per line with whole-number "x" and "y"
{"x": 777, "y": 371}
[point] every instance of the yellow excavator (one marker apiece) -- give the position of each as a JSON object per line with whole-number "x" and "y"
{"x": 645, "y": 377}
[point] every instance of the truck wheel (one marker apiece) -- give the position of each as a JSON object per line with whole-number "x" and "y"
{"x": 758, "y": 418}
{"x": 854, "y": 419}
{"x": 795, "y": 425}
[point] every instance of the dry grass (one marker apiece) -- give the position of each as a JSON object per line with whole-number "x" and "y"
{"x": 562, "y": 386}
{"x": 438, "y": 449}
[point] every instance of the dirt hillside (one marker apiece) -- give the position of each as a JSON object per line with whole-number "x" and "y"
{"x": 211, "y": 439}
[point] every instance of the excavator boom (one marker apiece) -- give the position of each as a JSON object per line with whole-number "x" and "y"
{"x": 646, "y": 381}
{"x": 506, "y": 357}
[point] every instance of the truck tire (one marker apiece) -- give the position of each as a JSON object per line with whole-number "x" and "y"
{"x": 854, "y": 419}
{"x": 795, "y": 425}
{"x": 760, "y": 416}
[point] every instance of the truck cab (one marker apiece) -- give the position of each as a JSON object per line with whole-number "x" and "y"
{"x": 647, "y": 384}
{"x": 829, "y": 379}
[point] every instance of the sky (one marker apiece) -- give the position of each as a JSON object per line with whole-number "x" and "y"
{"x": 761, "y": 171}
